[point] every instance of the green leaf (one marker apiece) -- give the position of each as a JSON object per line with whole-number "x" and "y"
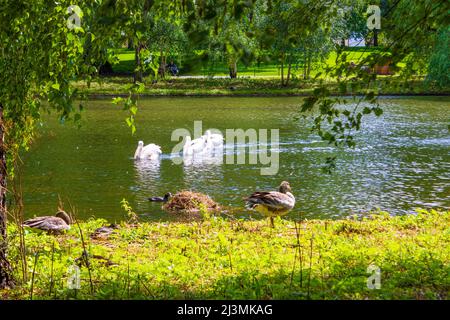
{"x": 378, "y": 111}
{"x": 117, "y": 100}
{"x": 129, "y": 121}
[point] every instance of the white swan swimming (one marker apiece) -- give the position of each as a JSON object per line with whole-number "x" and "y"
{"x": 214, "y": 139}
{"x": 187, "y": 147}
{"x": 194, "y": 146}
{"x": 150, "y": 151}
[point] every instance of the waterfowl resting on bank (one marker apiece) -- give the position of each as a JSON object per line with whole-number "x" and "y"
{"x": 52, "y": 224}
{"x": 161, "y": 199}
{"x": 272, "y": 203}
{"x": 104, "y": 232}
{"x": 150, "y": 151}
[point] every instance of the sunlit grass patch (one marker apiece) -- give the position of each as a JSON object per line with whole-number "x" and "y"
{"x": 218, "y": 258}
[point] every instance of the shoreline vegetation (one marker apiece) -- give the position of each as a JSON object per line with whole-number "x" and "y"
{"x": 225, "y": 258}
{"x": 246, "y": 86}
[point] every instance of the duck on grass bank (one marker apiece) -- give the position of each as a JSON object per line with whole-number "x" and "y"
{"x": 52, "y": 224}
{"x": 161, "y": 199}
{"x": 272, "y": 203}
{"x": 104, "y": 232}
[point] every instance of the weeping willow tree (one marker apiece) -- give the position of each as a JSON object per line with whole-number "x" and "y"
{"x": 41, "y": 47}
{"x": 44, "y": 47}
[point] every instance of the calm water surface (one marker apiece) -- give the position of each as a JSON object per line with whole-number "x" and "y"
{"x": 402, "y": 159}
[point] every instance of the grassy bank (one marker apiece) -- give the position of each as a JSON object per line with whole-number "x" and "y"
{"x": 126, "y": 64}
{"x": 248, "y": 86}
{"x": 236, "y": 259}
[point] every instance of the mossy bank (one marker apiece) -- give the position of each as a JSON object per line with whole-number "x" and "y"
{"x": 120, "y": 86}
{"x": 217, "y": 258}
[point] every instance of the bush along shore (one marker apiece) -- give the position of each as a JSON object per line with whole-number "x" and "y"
{"x": 120, "y": 86}
{"x": 376, "y": 256}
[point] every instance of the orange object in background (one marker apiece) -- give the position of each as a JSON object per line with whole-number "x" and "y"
{"x": 384, "y": 69}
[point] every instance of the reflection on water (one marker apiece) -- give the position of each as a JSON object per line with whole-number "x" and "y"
{"x": 203, "y": 167}
{"x": 401, "y": 161}
{"x": 147, "y": 176}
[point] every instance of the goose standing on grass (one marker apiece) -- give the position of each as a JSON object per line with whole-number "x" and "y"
{"x": 216, "y": 139}
{"x": 272, "y": 203}
{"x": 150, "y": 151}
{"x": 52, "y": 224}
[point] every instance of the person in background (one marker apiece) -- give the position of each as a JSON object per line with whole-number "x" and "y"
{"x": 172, "y": 67}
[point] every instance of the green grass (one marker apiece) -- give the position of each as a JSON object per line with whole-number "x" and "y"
{"x": 217, "y": 258}
{"x": 126, "y": 64}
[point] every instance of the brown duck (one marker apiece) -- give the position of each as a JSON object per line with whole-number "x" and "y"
{"x": 272, "y": 203}
{"x": 104, "y": 232}
{"x": 52, "y": 224}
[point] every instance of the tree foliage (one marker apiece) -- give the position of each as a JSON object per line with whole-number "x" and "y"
{"x": 40, "y": 56}
{"x": 439, "y": 65}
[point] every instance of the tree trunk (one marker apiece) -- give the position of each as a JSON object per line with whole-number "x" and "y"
{"x": 309, "y": 67}
{"x": 233, "y": 69}
{"x": 282, "y": 69}
{"x": 305, "y": 65}
{"x": 162, "y": 64}
{"x": 6, "y": 280}
{"x": 137, "y": 58}
{"x": 130, "y": 43}
{"x": 375, "y": 37}
{"x": 288, "y": 77}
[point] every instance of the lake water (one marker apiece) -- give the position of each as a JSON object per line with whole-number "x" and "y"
{"x": 401, "y": 161}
